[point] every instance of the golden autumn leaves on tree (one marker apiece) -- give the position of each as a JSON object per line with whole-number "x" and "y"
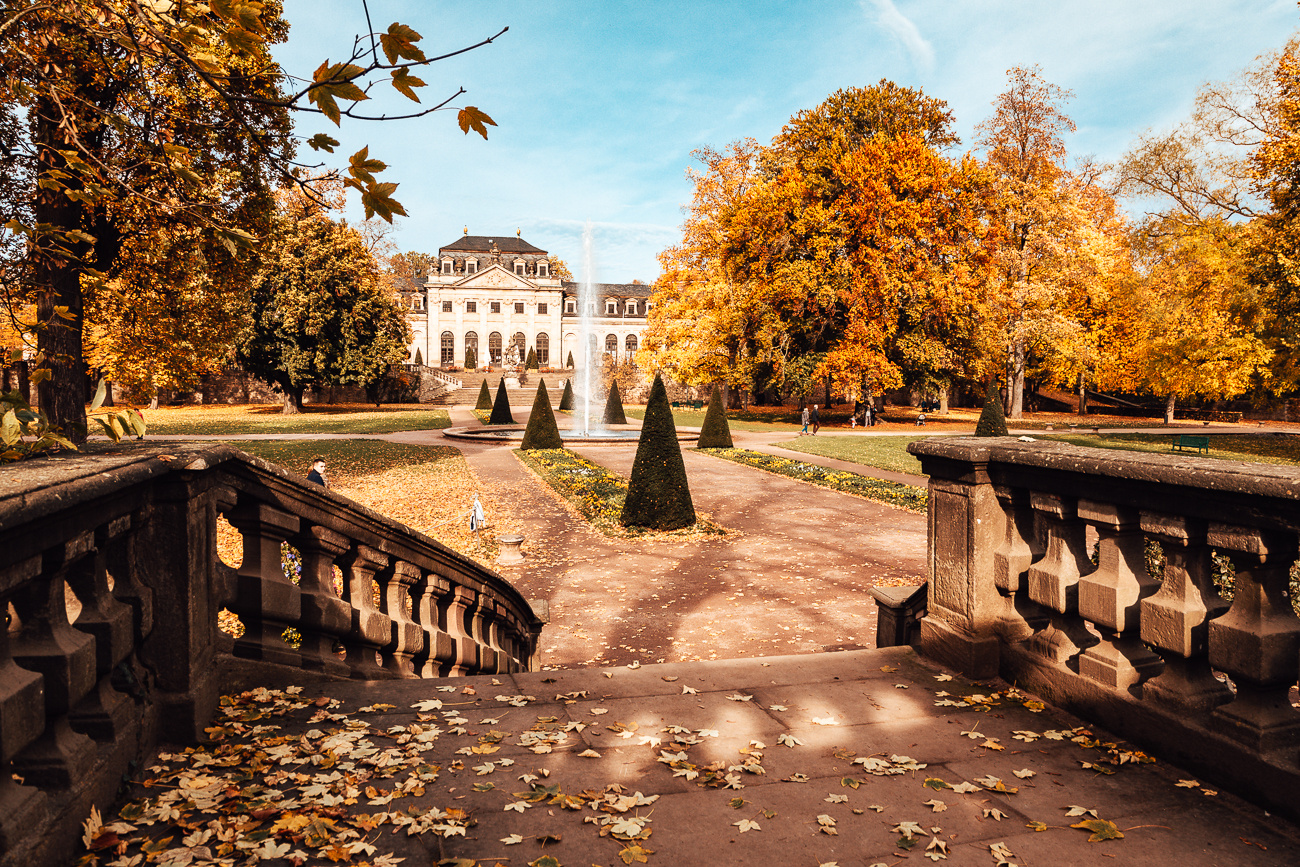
{"x": 858, "y": 249}
{"x": 163, "y": 124}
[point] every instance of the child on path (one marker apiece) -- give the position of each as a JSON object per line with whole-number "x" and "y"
{"x": 805, "y": 422}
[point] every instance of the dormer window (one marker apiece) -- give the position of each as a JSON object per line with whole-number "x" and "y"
{"x": 519, "y": 267}
{"x": 570, "y": 306}
{"x": 471, "y": 266}
{"x": 631, "y": 308}
{"x": 543, "y": 269}
{"x": 611, "y": 307}
{"x": 447, "y": 266}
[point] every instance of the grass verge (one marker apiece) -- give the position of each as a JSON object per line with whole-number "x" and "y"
{"x": 1255, "y": 448}
{"x": 220, "y": 419}
{"x": 597, "y": 494}
{"x": 887, "y": 453}
{"x": 908, "y": 497}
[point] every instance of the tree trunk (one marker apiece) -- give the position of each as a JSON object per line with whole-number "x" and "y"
{"x": 108, "y": 394}
{"x": 1082, "y": 389}
{"x": 1169, "y": 409}
{"x": 153, "y": 401}
{"x": 292, "y": 403}
{"x": 1016, "y": 383}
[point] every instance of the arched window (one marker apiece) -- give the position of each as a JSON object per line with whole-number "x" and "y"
{"x": 448, "y": 349}
{"x": 494, "y": 347}
{"x": 611, "y": 344}
{"x": 521, "y": 345}
{"x": 630, "y": 345}
{"x": 543, "y": 349}
{"x": 471, "y": 342}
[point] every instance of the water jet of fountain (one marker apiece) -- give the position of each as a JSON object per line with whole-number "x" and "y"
{"x": 587, "y": 303}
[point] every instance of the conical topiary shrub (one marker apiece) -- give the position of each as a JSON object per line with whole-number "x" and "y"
{"x": 484, "y": 397}
{"x": 566, "y": 399}
{"x": 716, "y": 433}
{"x": 542, "y": 432}
{"x": 992, "y": 423}
{"x": 501, "y": 407}
{"x": 471, "y": 359}
{"x": 614, "y": 405}
{"x": 658, "y": 495}
{"x": 531, "y": 364}
{"x": 419, "y": 357}
{"x": 569, "y": 363}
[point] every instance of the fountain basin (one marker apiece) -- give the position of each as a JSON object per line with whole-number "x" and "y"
{"x": 618, "y": 435}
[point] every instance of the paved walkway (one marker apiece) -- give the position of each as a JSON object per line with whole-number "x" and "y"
{"x": 856, "y": 758}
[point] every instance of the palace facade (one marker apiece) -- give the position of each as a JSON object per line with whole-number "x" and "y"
{"x": 489, "y": 292}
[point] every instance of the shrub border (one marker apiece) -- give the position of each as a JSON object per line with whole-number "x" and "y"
{"x": 907, "y": 497}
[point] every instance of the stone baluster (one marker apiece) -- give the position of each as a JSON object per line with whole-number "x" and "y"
{"x": 370, "y": 627}
{"x": 126, "y": 584}
{"x": 1175, "y": 620}
{"x": 326, "y": 617}
{"x": 1257, "y": 643}
{"x": 65, "y": 658}
{"x": 1020, "y": 545}
{"x": 1110, "y": 595}
{"x": 106, "y": 713}
{"x": 1054, "y": 579}
{"x": 454, "y": 617}
{"x": 266, "y": 601}
{"x": 424, "y": 610}
{"x": 406, "y": 636}
{"x": 22, "y": 718}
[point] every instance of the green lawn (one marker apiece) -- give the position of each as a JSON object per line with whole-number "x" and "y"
{"x": 267, "y": 419}
{"x": 887, "y": 453}
{"x": 1260, "y": 448}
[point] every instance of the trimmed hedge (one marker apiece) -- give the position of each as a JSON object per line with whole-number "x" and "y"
{"x": 614, "y": 406}
{"x": 566, "y": 399}
{"x": 715, "y": 432}
{"x": 501, "y": 407}
{"x": 531, "y": 364}
{"x": 992, "y": 423}
{"x": 484, "y": 397}
{"x": 658, "y": 494}
{"x": 542, "y": 432}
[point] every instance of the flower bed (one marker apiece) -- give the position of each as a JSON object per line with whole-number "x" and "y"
{"x": 596, "y": 493}
{"x": 907, "y": 497}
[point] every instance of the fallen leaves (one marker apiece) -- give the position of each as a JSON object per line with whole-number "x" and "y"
{"x": 1102, "y": 830}
{"x": 747, "y": 825}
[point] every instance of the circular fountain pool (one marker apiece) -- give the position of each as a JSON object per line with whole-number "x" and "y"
{"x": 515, "y": 433}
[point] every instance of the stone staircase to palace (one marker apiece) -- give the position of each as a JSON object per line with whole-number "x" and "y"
{"x": 467, "y": 395}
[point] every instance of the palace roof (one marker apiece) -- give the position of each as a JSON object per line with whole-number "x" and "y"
{"x": 484, "y": 244}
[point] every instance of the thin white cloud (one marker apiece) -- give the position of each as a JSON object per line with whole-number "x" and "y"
{"x": 903, "y": 30}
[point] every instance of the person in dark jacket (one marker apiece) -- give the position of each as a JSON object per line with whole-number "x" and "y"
{"x": 317, "y": 473}
{"x": 815, "y": 417}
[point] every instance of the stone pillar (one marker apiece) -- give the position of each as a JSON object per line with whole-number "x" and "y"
{"x": 326, "y": 618}
{"x": 369, "y": 630}
{"x": 1257, "y": 643}
{"x": 405, "y": 635}
{"x": 1175, "y": 620}
{"x": 266, "y": 601}
{"x": 1109, "y": 598}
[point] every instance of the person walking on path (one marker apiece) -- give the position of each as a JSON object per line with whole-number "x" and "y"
{"x": 816, "y": 420}
{"x": 806, "y": 418}
{"x": 317, "y": 473}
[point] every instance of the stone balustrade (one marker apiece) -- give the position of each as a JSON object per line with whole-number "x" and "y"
{"x": 1038, "y": 571}
{"x": 110, "y": 577}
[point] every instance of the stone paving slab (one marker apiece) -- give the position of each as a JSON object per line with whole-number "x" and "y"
{"x": 815, "y": 716}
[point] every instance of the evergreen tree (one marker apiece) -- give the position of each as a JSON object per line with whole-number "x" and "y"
{"x": 569, "y": 363}
{"x": 471, "y": 358}
{"x": 501, "y": 408}
{"x": 484, "y": 397}
{"x": 542, "y": 432}
{"x": 658, "y": 495}
{"x": 531, "y": 364}
{"x": 614, "y": 406}
{"x": 716, "y": 433}
{"x": 419, "y": 357}
{"x": 566, "y": 399}
{"x": 992, "y": 423}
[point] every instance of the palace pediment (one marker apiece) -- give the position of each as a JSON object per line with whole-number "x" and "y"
{"x": 494, "y": 277}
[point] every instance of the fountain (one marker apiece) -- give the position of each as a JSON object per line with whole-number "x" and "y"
{"x": 586, "y": 337}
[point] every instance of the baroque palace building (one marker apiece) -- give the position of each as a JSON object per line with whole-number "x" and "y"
{"x": 489, "y": 292}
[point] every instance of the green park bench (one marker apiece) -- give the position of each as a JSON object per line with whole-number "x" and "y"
{"x": 1185, "y": 443}
{"x": 698, "y": 404}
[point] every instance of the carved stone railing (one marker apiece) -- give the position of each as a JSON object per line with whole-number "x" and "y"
{"x": 447, "y": 379}
{"x": 110, "y": 577}
{"x": 1038, "y": 559}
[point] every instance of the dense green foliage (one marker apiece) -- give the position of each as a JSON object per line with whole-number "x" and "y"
{"x": 566, "y": 399}
{"x": 531, "y": 364}
{"x": 715, "y": 433}
{"x": 542, "y": 432}
{"x": 501, "y": 406}
{"x": 484, "y": 397}
{"x": 658, "y": 494}
{"x": 992, "y": 423}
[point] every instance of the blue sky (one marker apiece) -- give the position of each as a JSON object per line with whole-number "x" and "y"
{"x": 599, "y": 104}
